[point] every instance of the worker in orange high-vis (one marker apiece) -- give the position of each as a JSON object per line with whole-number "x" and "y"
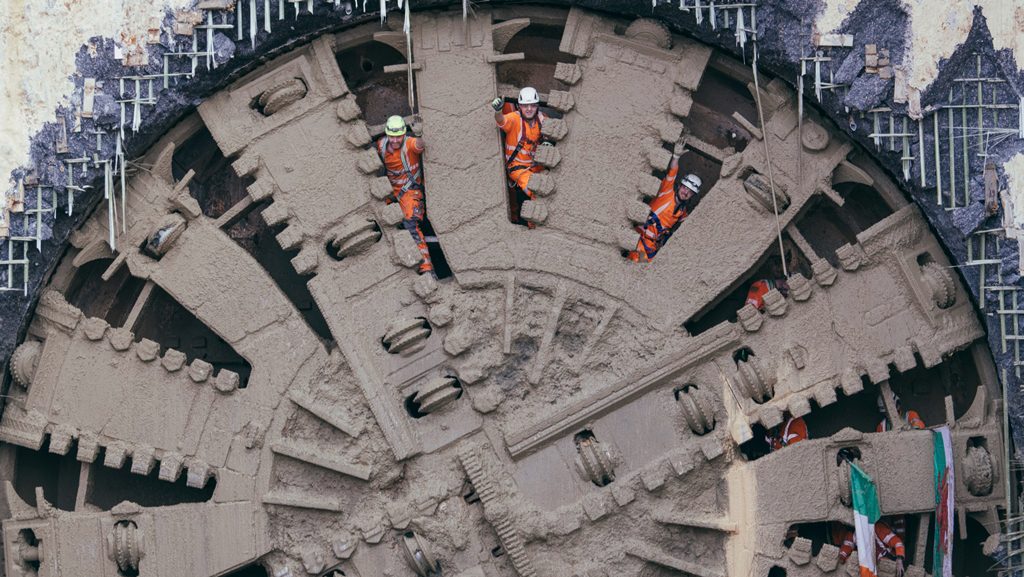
{"x": 888, "y": 544}
{"x": 401, "y": 156}
{"x": 760, "y": 287}
{"x": 669, "y": 209}
{"x": 791, "y": 431}
{"x": 522, "y": 130}
{"x": 911, "y": 417}
{"x": 776, "y": 278}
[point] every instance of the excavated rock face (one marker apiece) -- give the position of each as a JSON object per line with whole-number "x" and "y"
{"x": 261, "y": 353}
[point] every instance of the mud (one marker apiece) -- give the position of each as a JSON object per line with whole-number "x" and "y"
{"x": 276, "y": 436}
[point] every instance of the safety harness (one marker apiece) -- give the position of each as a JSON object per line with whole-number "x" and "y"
{"x": 412, "y": 179}
{"x": 662, "y": 233}
{"x": 519, "y": 145}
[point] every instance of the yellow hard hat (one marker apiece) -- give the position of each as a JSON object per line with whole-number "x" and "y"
{"x": 395, "y": 126}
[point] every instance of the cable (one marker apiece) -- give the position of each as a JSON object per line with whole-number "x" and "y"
{"x": 768, "y": 159}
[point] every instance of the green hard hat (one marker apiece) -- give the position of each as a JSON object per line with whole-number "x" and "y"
{"x": 395, "y": 126}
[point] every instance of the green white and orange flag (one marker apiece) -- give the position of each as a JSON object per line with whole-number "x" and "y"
{"x": 865, "y": 515}
{"x": 942, "y": 559}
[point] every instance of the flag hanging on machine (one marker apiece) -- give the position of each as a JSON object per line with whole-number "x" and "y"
{"x": 942, "y": 559}
{"x": 865, "y": 515}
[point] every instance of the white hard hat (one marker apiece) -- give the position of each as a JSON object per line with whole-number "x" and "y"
{"x": 692, "y": 181}
{"x": 528, "y": 95}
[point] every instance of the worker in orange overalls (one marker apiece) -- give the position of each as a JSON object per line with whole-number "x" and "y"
{"x": 790, "y": 432}
{"x": 912, "y": 418}
{"x": 522, "y": 130}
{"x": 401, "y": 156}
{"x": 669, "y": 208}
{"x": 888, "y": 544}
{"x": 776, "y": 279}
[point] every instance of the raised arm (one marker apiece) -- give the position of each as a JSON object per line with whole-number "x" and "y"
{"x": 677, "y": 151}
{"x": 499, "y": 116}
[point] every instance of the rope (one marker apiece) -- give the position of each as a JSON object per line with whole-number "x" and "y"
{"x": 768, "y": 159}
{"x": 407, "y": 28}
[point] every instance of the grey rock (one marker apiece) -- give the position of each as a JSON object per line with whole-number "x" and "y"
{"x": 867, "y": 92}
{"x": 105, "y": 110}
{"x": 223, "y": 48}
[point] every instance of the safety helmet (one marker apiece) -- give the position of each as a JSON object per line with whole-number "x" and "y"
{"x": 395, "y": 126}
{"x": 692, "y": 181}
{"x": 528, "y": 95}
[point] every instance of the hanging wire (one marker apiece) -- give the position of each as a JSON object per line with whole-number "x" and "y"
{"x": 767, "y": 149}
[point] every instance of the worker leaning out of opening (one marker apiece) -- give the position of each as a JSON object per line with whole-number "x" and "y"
{"x": 401, "y": 154}
{"x": 522, "y": 130}
{"x": 669, "y": 208}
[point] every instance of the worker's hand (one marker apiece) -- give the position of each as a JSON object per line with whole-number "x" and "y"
{"x": 899, "y": 567}
{"x": 497, "y": 104}
{"x": 679, "y": 149}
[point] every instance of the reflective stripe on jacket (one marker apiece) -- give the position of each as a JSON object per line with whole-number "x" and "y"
{"x": 887, "y": 542}
{"x": 516, "y": 128}
{"x": 403, "y": 165}
{"x": 791, "y": 432}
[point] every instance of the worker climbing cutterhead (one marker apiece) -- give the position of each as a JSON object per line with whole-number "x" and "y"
{"x": 401, "y": 154}
{"x": 669, "y": 208}
{"x": 522, "y": 130}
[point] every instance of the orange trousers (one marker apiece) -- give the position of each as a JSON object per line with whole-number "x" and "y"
{"x": 414, "y": 210}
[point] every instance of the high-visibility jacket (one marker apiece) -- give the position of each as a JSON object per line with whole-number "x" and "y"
{"x": 912, "y": 417}
{"x": 792, "y": 431}
{"x": 887, "y": 543}
{"x": 403, "y": 165}
{"x": 666, "y": 215}
{"x": 755, "y": 295}
{"x": 844, "y": 538}
{"x": 521, "y": 140}
{"x": 406, "y": 176}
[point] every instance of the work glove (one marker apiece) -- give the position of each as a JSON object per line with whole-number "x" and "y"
{"x": 899, "y": 567}
{"x": 497, "y": 104}
{"x": 679, "y": 149}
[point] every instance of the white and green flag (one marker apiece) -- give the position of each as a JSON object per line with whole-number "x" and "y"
{"x": 942, "y": 559}
{"x": 865, "y": 515}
